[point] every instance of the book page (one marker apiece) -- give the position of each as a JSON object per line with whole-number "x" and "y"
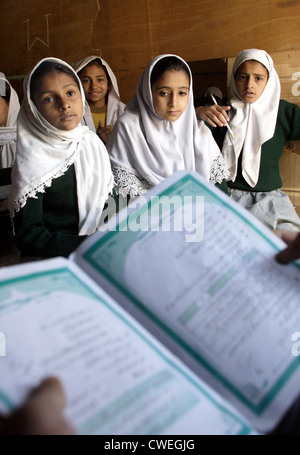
{"x": 118, "y": 379}
{"x": 214, "y": 292}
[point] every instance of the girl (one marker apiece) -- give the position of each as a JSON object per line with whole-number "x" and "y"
{"x": 61, "y": 177}
{"x": 9, "y": 109}
{"x": 103, "y": 106}
{"x": 158, "y": 132}
{"x": 262, "y": 124}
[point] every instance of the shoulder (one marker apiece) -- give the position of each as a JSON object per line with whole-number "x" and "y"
{"x": 128, "y": 121}
{"x": 285, "y": 106}
{"x": 288, "y": 112}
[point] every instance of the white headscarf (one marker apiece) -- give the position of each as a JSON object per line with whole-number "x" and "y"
{"x": 8, "y": 133}
{"x": 144, "y": 144}
{"x": 114, "y": 105}
{"x": 45, "y": 153}
{"x": 252, "y": 123}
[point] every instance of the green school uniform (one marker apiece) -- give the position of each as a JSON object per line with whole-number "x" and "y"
{"x": 47, "y": 226}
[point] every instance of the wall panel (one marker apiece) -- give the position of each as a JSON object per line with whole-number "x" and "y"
{"x": 128, "y": 34}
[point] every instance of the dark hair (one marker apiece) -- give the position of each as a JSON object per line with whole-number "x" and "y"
{"x": 251, "y": 60}
{"x": 49, "y": 67}
{"x": 168, "y": 64}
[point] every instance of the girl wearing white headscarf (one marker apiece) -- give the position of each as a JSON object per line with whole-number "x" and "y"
{"x": 261, "y": 128}
{"x": 8, "y": 132}
{"x": 61, "y": 178}
{"x": 145, "y": 148}
{"x": 113, "y": 106}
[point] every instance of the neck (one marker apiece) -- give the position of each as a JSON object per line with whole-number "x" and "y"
{"x": 98, "y": 104}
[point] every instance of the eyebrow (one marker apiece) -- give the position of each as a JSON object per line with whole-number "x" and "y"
{"x": 97, "y": 75}
{"x": 255, "y": 74}
{"x": 166, "y": 86}
{"x": 53, "y": 90}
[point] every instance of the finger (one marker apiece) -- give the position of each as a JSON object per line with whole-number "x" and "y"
{"x": 51, "y": 390}
{"x": 287, "y": 236}
{"x": 218, "y": 115}
{"x": 291, "y": 253}
{"x": 42, "y": 412}
{"x": 217, "y": 120}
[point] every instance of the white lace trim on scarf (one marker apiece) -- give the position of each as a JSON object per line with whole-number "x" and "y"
{"x": 128, "y": 183}
{"x": 7, "y": 138}
{"x": 218, "y": 171}
{"x": 20, "y": 202}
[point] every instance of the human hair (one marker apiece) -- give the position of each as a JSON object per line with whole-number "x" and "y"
{"x": 48, "y": 67}
{"x": 170, "y": 63}
{"x": 251, "y": 60}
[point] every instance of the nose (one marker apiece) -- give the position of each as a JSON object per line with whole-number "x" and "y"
{"x": 93, "y": 83}
{"x": 250, "y": 82}
{"x": 173, "y": 99}
{"x": 64, "y": 104}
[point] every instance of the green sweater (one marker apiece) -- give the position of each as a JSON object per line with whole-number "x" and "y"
{"x": 287, "y": 129}
{"x": 48, "y": 225}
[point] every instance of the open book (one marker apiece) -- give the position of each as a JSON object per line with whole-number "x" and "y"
{"x": 172, "y": 319}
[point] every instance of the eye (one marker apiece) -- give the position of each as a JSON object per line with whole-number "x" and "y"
{"x": 48, "y": 99}
{"x": 71, "y": 92}
{"x": 163, "y": 93}
{"x": 183, "y": 93}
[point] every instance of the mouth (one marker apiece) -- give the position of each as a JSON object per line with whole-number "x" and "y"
{"x": 173, "y": 113}
{"x": 67, "y": 117}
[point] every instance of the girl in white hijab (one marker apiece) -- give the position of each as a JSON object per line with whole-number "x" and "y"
{"x": 262, "y": 124}
{"x": 102, "y": 95}
{"x": 9, "y": 109}
{"x": 158, "y": 133}
{"x": 61, "y": 177}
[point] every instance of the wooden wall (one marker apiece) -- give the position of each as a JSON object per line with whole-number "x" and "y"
{"x": 128, "y": 34}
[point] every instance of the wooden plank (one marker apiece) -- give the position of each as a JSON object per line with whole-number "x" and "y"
{"x": 128, "y": 34}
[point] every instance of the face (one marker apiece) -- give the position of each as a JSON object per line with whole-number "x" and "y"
{"x": 250, "y": 80}
{"x": 3, "y": 111}
{"x": 59, "y": 100}
{"x": 170, "y": 94}
{"x": 95, "y": 84}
